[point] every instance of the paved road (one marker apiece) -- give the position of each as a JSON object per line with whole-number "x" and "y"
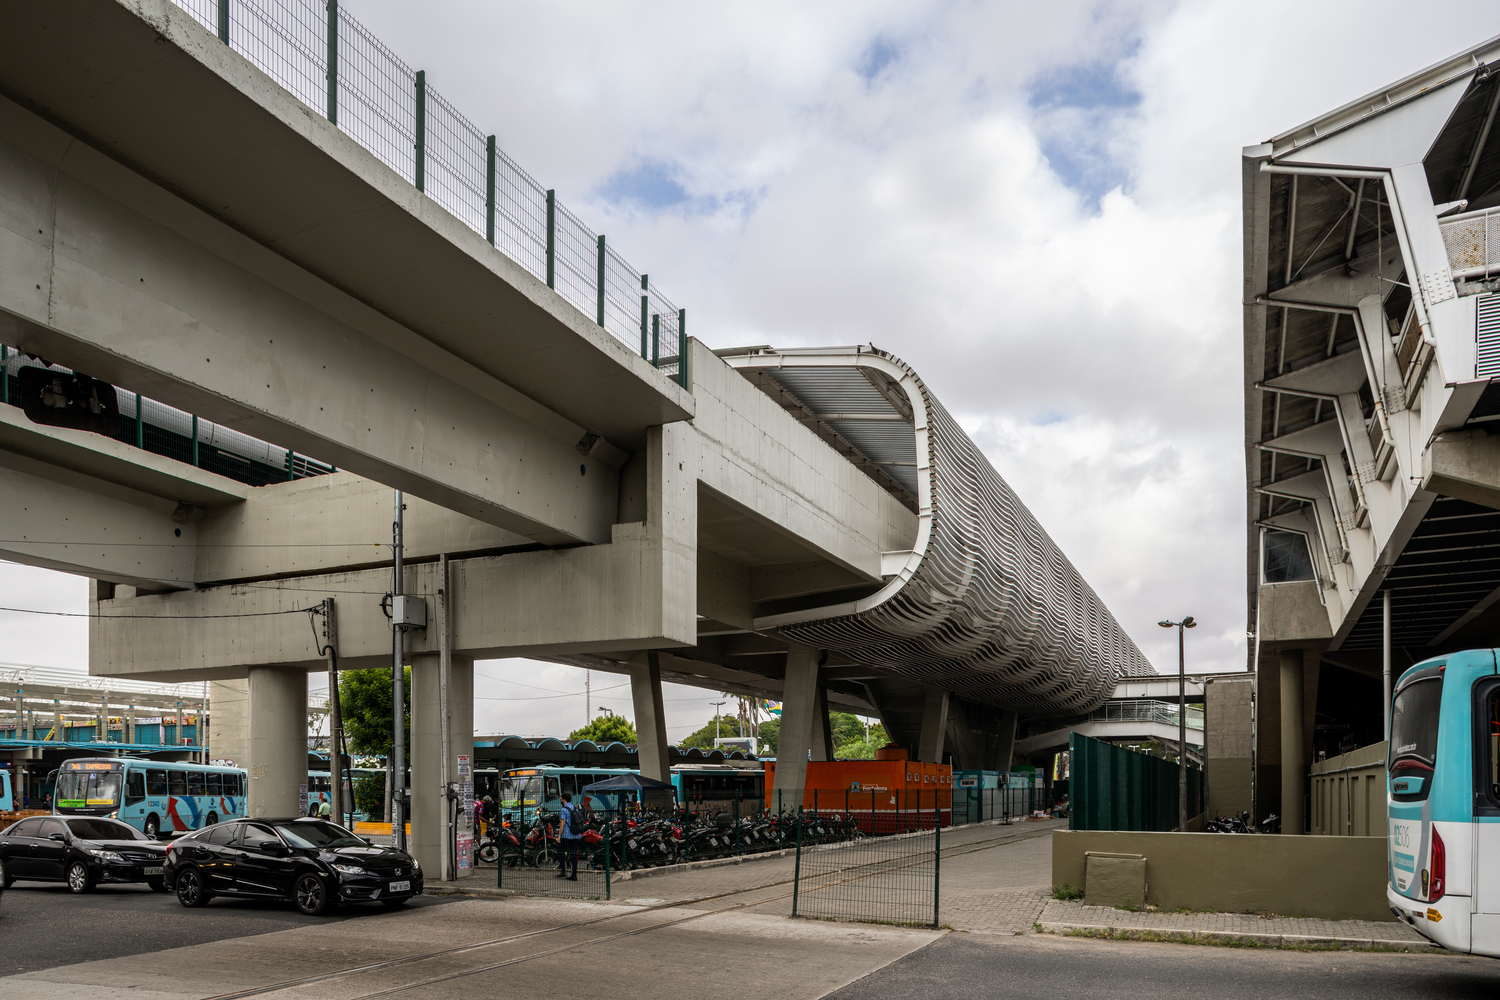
{"x": 993, "y": 966}
{"x": 43, "y": 925}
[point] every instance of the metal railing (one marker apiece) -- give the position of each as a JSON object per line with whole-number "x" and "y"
{"x": 1473, "y": 243}
{"x": 1144, "y": 710}
{"x": 334, "y": 65}
{"x": 890, "y": 879}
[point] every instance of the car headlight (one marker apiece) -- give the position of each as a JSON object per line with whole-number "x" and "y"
{"x": 350, "y": 869}
{"x": 416, "y": 867}
{"x": 109, "y": 856}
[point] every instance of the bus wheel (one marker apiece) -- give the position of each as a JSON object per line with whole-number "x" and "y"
{"x": 211, "y": 820}
{"x": 78, "y": 877}
{"x": 153, "y": 826}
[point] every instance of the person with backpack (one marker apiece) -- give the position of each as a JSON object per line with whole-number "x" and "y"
{"x": 570, "y": 825}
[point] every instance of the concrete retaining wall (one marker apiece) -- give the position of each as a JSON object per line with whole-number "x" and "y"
{"x": 1336, "y": 878}
{"x": 1348, "y": 794}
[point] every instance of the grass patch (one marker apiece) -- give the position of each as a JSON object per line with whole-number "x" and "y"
{"x": 1066, "y": 892}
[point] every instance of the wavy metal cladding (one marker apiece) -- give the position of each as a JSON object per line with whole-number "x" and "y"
{"x": 987, "y": 605}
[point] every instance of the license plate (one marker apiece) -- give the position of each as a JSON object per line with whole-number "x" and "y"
{"x": 399, "y": 887}
{"x": 151, "y": 871}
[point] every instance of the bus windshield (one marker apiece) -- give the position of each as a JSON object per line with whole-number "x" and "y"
{"x": 1414, "y": 723}
{"x": 88, "y": 789}
{"x": 518, "y": 792}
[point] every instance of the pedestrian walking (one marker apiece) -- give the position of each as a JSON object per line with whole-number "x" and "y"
{"x": 570, "y": 827}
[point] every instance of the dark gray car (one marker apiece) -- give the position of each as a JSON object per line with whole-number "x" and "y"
{"x": 81, "y": 851}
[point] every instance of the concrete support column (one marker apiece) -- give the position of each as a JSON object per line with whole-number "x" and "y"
{"x": 822, "y": 741}
{"x": 229, "y": 723}
{"x": 799, "y": 707}
{"x": 277, "y": 747}
{"x": 650, "y": 718}
{"x": 1293, "y": 752}
{"x": 1005, "y": 744}
{"x": 431, "y": 843}
{"x": 934, "y": 726}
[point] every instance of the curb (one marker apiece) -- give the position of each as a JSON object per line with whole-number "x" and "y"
{"x": 1229, "y": 937}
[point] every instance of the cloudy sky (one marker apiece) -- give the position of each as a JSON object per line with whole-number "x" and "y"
{"x": 1036, "y": 206}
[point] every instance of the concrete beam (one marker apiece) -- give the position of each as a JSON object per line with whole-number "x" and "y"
{"x": 822, "y": 736}
{"x": 278, "y": 740}
{"x": 1464, "y": 465}
{"x": 149, "y": 85}
{"x": 429, "y": 805}
{"x": 799, "y": 708}
{"x": 1293, "y": 749}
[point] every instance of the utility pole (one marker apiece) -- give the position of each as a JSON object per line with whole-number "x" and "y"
{"x": 398, "y": 695}
{"x": 1186, "y": 623}
{"x": 717, "y": 706}
{"x": 336, "y": 804}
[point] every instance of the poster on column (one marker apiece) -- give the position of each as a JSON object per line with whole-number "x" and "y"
{"x": 302, "y": 800}
{"x": 463, "y": 846}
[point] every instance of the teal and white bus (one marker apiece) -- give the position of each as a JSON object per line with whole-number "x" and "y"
{"x": 152, "y": 796}
{"x": 7, "y": 796}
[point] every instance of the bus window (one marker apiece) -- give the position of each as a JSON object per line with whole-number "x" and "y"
{"x": 1414, "y": 732}
{"x": 195, "y": 782}
{"x": 135, "y": 786}
{"x": 233, "y": 784}
{"x": 176, "y": 783}
{"x": 156, "y": 782}
{"x": 552, "y": 790}
{"x": 214, "y": 783}
{"x": 570, "y": 784}
{"x": 1491, "y": 749}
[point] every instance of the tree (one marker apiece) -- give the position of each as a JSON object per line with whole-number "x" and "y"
{"x": 861, "y": 748}
{"x": 369, "y": 794}
{"x": 729, "y": 725}
{"x": 365, "y": 698}
{"x": 770, "y": 734}
{"x": 607, "y": 729}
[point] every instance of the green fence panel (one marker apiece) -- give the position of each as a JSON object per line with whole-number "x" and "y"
{"x": 1112, "y": 788}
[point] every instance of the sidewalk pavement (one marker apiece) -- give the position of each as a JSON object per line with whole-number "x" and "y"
{"x": 1076, "y": 919}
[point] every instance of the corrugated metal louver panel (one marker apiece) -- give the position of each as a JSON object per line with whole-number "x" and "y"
{"x": 1487, "y": 352}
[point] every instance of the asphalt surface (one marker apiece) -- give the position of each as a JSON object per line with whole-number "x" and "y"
{"x": 994, "y": 966}
{"x": 43, "y": 925}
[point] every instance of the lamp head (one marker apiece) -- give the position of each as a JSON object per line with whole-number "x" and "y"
{"x": 1165, "y": 624}
{"x": 1189, "y": 623}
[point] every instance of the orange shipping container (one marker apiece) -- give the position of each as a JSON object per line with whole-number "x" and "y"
{"x": 876, "y": 788}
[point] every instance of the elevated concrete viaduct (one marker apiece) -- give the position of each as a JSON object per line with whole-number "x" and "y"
{"x": 809, "y": 525}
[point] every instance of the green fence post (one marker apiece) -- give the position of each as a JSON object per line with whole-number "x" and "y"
{"x": 421, "y": 129}
{"x": 224, "y": 21}
{"x": 737, "y": 822}
{"x": 333, "y": 62}
{"x": 937, "y": 856}
{"x": 489, "y": 189}
{"x": 551, "y": 238}
{"x": 195, "y": 440}
{"x": 140, "y": 425}
{"x": 682, "y": 348}
{"x": 606, "y": 855}
{"x": 797, "y": 865}
{"x": 600, "y": 282}
{"x": 656, "y": 340}
{"x": 645, "y": 310}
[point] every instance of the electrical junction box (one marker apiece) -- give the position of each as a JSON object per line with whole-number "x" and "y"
{"x": 409, "y": 611}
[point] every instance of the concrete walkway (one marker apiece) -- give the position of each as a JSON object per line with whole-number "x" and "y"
{"x": 1070, "y": 918}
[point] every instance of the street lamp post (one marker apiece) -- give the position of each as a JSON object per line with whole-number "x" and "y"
{"x": 717, "y": 705}
{"x": 1186, "y": 623}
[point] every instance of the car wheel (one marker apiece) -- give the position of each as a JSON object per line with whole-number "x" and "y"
{"x": 153, "y": 826}
{"x": 157, "y": 885}
{"x": 394, "y": 904}
{"x": 211, "y": 820}
{"x": 190, "y": 890}
{"x": 78, "y": 877}
{"x": 311, "y": 895}
{"x": 5, "y": 876}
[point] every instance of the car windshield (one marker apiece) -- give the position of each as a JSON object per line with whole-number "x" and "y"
{"x": 317, "y": 835}
{"x": 1414, "y": 723}
{"x": 103, "y": 829}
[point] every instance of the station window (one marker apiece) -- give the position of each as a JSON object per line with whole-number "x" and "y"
{"x": 1284, "y": 557}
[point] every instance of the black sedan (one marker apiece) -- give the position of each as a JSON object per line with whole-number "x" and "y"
{"x": 310, "y": 862}
{"x": 83, "y": 851}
